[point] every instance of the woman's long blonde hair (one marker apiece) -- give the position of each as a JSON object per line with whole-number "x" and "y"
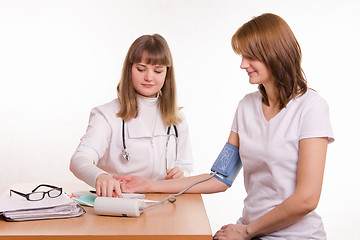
{"x": 156, "y": 51}
{"x": 269, "y": 39}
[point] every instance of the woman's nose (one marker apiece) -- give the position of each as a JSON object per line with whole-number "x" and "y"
{"x": 244, "y": 63}
{"x": 148, "y": 76}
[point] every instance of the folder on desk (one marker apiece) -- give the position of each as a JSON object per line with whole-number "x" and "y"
{"x": 19, "y": 209}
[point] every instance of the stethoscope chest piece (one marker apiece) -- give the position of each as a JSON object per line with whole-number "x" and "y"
{"x": 125, "y": 154}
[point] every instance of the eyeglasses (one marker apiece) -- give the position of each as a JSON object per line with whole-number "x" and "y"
{"x": 39, "y": 195}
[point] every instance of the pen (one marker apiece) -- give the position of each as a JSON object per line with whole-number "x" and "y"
{"x": 93, "y": 191}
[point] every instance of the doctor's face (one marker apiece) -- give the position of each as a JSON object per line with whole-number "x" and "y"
{"x": 148, "y": 79}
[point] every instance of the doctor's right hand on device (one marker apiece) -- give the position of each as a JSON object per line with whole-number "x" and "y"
{"x": 107, "y": 186}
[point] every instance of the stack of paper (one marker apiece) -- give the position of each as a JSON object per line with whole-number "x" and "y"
{"x": 16, "y": 208}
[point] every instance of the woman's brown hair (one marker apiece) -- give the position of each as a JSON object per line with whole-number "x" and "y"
{"x": 269, "y": 39}
{"x": 154, "y": 50}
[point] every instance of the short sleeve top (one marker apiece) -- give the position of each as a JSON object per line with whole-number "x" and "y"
{"x": 269, "y": 153}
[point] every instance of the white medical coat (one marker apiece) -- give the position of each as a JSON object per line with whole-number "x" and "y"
{"x": 100, "y": 150}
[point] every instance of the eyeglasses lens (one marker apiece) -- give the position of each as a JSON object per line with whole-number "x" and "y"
{"x": 36, "y": 196}
{"x": 54, "y": 193}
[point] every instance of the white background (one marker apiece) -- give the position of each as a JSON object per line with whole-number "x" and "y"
{"x": 58, "y": 59}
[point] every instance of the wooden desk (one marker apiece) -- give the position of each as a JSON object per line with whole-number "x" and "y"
{"x": 185, "y": 219}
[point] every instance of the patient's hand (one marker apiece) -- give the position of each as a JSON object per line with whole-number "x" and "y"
{"x": 134, "y": 184}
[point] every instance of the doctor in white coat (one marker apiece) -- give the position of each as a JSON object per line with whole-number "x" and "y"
{"x": 142, "y": 132}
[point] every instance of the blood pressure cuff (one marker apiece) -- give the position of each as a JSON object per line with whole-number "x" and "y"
{"x": 227, "y": 165}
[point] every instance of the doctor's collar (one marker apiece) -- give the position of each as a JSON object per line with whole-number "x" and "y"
{"x": 147, "y": 100}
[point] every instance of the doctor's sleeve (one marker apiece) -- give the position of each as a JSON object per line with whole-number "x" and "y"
{"x": 91, "y": 148}
{"x": 185, "y": 158}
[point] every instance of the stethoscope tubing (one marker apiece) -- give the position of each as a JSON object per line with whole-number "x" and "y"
{"x": 126, "y": 154}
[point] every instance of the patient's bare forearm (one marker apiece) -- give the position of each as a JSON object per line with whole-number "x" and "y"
{"x": 176, "y": 185}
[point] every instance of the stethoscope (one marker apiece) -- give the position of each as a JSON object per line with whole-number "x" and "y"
{"x": 126, "y": 155}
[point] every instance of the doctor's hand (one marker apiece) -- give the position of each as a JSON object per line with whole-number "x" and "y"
{"x": 133, "y": 184}
{"x": 107, "y": 186}
{"x": 232, "y": 232}
{"x": 174, "y": 173}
